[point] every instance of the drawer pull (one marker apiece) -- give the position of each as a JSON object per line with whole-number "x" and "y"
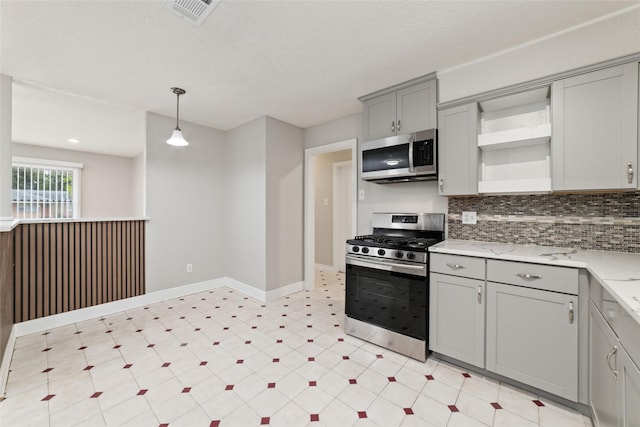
{"x": 613, "y": 351}
{"x": 456, "y": 266}
{"x": 528, "y": 276}
{"x": 571, "y": 312}
{"x": 479, "y": 294}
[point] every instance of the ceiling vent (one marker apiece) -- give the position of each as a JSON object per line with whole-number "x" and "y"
{"x": 194, "y": 11}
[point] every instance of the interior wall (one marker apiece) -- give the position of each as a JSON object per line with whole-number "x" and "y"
{"x": 324, "y": 213}
{"x": 244, "y": 202}
{"x": 107, "y": 190}
{"x": 601, "y": 40}
{"x": 185, "y": 199}
{"x": 138, "y": 185}
{"x": 284, "y": 199}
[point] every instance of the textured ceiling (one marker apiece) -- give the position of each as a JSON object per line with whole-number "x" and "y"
{"x": 303, "y": 62}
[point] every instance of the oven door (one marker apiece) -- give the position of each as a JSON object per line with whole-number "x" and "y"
{"x": 392, "y": 296}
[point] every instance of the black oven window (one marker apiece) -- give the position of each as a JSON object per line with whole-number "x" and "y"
{"x": 393, "y": 301}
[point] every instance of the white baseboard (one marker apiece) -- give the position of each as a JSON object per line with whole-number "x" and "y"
{"x": 284, "y": 291}
{"x": 262, "y": 295}
{"x": 325, "y": 267}
{"x": 6, "y": 361}
{"x": 248, "y": 290}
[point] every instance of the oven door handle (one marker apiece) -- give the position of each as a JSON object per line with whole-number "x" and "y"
{"x": 355, "y": 260}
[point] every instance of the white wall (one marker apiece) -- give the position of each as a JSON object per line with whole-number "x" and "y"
{"x": 245, "y": 204}
{"x": 107, "y": 186}
{"x": 601, "y": 40}
{"x": 324, "y": 213}
{"x": 138, "y": 185}
{"x": 284, "y": 204}
{"x": 186, "y": 188}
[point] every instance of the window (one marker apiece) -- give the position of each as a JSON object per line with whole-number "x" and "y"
{"x": 44, "y": 189}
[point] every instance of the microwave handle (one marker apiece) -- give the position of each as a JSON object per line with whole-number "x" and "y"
{"x": 411, "y": 166}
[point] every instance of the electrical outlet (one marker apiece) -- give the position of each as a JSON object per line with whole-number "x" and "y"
{"x": 189, "y": 268}
{"x": 361, "y": 194}
{"x": 469, "y": 218}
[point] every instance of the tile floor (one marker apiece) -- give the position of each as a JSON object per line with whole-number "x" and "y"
{"x": 219, "y": 358}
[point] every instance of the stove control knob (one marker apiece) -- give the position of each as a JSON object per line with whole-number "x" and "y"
{"x": 411, "y": 255}
{"x": 381, "y": 252}
{"x": 355, "y": 249}
{"x": 365, "y": 250}
{"x": 399, "y": 254}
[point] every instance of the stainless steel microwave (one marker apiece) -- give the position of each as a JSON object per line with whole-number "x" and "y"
{"x": 400, "y": 158}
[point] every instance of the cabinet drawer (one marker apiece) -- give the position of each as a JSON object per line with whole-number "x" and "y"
{"x": 557, "y": 279}
{"x": 458, "y": 265}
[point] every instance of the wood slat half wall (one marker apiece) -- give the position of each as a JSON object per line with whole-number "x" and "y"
{"x": 63, "y": 266}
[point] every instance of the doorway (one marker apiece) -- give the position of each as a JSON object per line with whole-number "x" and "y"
{"x": 312, "y": 200}
{"x": 342, "y": 211}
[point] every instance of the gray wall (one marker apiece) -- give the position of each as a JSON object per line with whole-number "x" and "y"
{"x": 285, "y": 185}
{"x": 245, "y": 204}
{"x": 324, "y": 214}
{"x": 107, "y": 181}
{"x": 185, "y": 202}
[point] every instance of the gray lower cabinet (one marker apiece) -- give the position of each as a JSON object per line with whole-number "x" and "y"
{"x": 456, "y": 317}
{"x": 614, "y": 387}
{"x": 603, "y": 376}
{"x": 630, "y": 393}
{"x": 532, "y": 337}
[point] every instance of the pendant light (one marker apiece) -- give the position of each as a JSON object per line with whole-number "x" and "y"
{"x": 176, "y": 137}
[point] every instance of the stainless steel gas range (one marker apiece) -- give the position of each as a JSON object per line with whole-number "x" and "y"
{"x": 387, "y": 281}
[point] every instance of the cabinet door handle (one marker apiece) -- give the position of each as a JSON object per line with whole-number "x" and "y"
{"x": 393, "y": 126}
{"x": 398, "y": 125}
{"x": 613, "y": 351}
{"x": 479, "y": 294}
{"x": 441, "y": 184}
{"x": 456, "y": 266}
{"x": 528, "y": 276}
{"x": 630, "y": 172}
{"x": 571, "y": 312}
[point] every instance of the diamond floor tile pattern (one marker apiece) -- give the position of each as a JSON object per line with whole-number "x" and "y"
{"x": 221, "y": 359}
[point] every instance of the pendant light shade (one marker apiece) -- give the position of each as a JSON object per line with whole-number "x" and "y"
{"x": 176, "y": 137}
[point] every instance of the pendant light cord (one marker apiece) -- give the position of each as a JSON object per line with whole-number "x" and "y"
{"x": 178, "y": 111}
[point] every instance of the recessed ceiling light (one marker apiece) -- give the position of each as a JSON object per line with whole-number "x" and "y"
{"x": 73, "y": 140}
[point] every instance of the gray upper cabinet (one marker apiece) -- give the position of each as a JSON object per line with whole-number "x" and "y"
{"x": 458, "y": 150}
{"x": 595, "y": 130}
{"x": 380, "y": 116}
{"x": 404, "y": 110}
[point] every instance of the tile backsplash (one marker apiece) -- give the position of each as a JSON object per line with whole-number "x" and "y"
{"x": 600, "y": 221}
